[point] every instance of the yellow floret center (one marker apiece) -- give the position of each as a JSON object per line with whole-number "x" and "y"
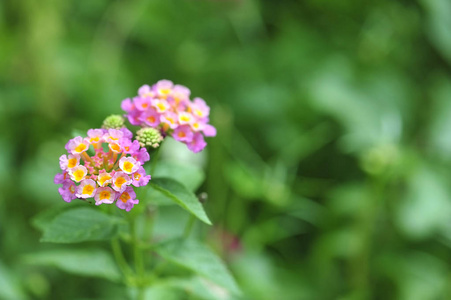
{"x": 72, "y": 163}
{"x": 79, "y": 174}
{"x": 185, "y": 118}
{"x": 94, "y": 139}
{"x": 80, "y": 148}
{"x": 125, "y": 197}
{"x": 120, "y": 181}
{"x": 88, "y": 189}
{"x": 115, "y": 147}
{"x": 137, "y": 176}
{"x": 72, "y": 189}
{"x": 104, "y": 178}
{"x": 161, "y": 106}
{"x": 198, "y": 112}
{"x": 128, "y": 166}
{"x": 105, "y": 195}
{"x": 165, "y": 91}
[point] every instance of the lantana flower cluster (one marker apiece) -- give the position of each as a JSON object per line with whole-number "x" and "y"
{"x": 109, "y": 173}
{"x": 168, "y": 108}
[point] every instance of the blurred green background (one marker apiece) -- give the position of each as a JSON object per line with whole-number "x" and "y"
{"x": 330, "y": 175}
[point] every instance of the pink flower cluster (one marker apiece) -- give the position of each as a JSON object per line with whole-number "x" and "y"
{"x": 106, "y": 176}
{"x": 168, "y": 107}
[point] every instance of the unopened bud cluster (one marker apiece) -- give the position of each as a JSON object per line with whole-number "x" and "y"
{"x": 113, "y": 122}
{"x": 149, "y": 137}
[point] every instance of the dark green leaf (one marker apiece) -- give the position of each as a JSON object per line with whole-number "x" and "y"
{"x": 199, "y": 259}
{"x": 44, "y": 218}
{"x": 79, "y": 225}
{"x": 84, "y": 262}
{"x": 200, "y": 288}
{"x": 181, "y": 195}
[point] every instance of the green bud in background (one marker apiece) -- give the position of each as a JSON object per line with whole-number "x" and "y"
{"x": 149, "y": 137}
{"x": 113, "y": 122}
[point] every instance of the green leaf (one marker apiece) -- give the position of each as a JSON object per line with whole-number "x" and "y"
{"x": 43, "y": 219}
{"x": 84, "y": 262}
{"x": 439, "y": 23}
{"x": 181, "y": 195}
{"x": 79, "y": 225}
{"x": 190, "y": 175}
{"x": 199, "y": 259}
{"x": 200, "y": 288}
{"x": 9, "y": 285}
{"x": 162, "y": 292}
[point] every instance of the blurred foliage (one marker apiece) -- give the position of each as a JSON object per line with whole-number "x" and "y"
{"x": 329, "y": 177}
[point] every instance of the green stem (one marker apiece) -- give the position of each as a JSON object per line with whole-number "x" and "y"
{"x": 150, "y": 215}
{"x": 138, "y": 258}
{"x": 119, "y": 257}
{"x": 154, "y": 160}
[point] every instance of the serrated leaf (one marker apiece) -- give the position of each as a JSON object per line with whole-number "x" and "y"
{"x": 79, "y": 225}
{"x": 84, "y": 262}
{"x": 199, "y": 259}
{"x": 181, "y": 195}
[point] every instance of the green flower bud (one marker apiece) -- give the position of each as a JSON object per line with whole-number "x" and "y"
{"x": 113, "y": 122}
{"x": 149, "y": 137}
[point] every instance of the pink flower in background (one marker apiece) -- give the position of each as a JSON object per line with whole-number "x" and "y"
{"x": 132, "y": 112}
{"x": 161, "y": 106}
{"x": 197, "y": 144}
{"x": 141, "y": 103}
{"x": 185, "y": 118}
{"x": 209, "y": 130}
{"x": 183, "y": 134}
{"x": 200, "y": 108}
{"x": 163, "y": 88}
{"x": 146, "y": 91}
{"x": 169, "y": 120}
{"x": 150, "y": 117}
{"x": 168, "y": 108}
{"x": 104, "y": 166}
